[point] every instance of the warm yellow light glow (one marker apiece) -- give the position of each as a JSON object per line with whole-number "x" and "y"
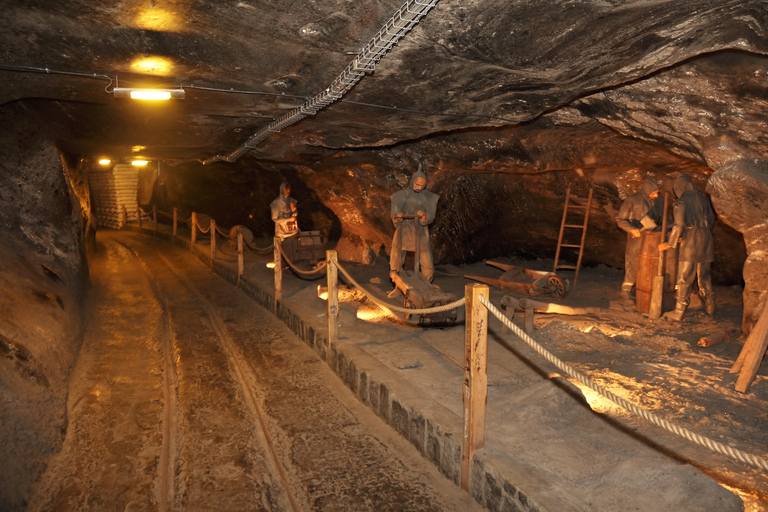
{"x": 153, "y": 66}
{"x": 271, "y": 264}
{"x": 155, "y": 18}
{"x": 105, "y": 161}
{"x": 137, "y": 149}
{"x": 139, "y": 163}
{"x": 322, "y": 292}
{"x": 150, "y": 95}
{"x": 370, "y": 315}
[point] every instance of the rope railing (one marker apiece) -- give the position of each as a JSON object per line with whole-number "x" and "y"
{"x": 225, "y": 234}
{"x": 390, "y": 307}
{"x": 713, "y": 445}
{"x": 204, "y": 231}
{"x": 259, "y": 250}
{"x": 319, "y": 271}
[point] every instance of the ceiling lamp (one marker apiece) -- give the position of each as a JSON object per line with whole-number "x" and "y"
{"x": 139, "y": 163}
{"x": 105, "y": 161}
{"x": 148, "y": 94}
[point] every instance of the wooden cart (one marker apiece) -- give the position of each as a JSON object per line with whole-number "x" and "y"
{"x": 543, "y": 282}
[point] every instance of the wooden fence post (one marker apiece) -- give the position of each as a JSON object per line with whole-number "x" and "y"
{"x": 475, "y": 377}
{"x": 278, "y": 272}
{"x": 138, "y": 214}
{"x": 240, "y": 255}
{"x": 213, "y": 241}
{"x": 154, "y": 219}
{"x": 175, "y": 220}
{"x": 333, "y": 300}
{"x": 194, "y": 229}
{"x": 125, "y": 215}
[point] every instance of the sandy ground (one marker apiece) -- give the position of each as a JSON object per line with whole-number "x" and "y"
{"x": 541, "y": 435}
{"x": 654, "y": 364}
{"x": 187, "y": 395}
{"x": 546, "y": 439}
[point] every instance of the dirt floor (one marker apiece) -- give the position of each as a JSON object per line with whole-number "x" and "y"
{"x": 531, "y": 424}
{"x": 656, "y": 365}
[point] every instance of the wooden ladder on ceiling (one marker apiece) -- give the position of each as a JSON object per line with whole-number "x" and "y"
{"x": 578, "y": 209}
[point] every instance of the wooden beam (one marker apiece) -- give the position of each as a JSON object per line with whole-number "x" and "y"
{"x": 278, "y": 272}
{"x": 754, "y": 351}
{"x": 212, "y": 227}
{"x": 332, "y": 279}
{"x": 240, "y": 255}
{"x": 475, "y": 377}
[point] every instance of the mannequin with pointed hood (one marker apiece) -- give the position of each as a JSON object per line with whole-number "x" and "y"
{"x": 642, "y": 211}
{"x": 284, "y": 213}
{"x": 692, "y": 230}
{"x": 415, "y": 200}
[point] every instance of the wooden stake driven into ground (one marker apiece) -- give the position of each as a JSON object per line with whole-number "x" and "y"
{"x": 751, "y": 356}
{"x": 475, "y": 377}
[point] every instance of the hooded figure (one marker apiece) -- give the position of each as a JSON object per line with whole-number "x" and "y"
{"x": 692, "y": 230}
{"x": 414, "y": 200}
{"x": 284, "y": 213}
{"x": 640, "y": 212}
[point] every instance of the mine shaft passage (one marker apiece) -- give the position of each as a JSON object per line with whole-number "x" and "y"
{"x": 188, "y": 396}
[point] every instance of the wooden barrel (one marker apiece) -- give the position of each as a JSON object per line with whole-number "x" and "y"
{"x": 647, "y": 269}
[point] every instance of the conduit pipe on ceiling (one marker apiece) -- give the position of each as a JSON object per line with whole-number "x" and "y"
{"x": 404, "y": 19}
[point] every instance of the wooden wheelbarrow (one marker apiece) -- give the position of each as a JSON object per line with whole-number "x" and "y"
{"x": 418, "y": 293}
{"x": 543, "y": 282}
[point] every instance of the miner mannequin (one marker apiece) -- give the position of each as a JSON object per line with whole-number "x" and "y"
{"x": 284, "y": 213}
{"x": 692, "y": 230}
{"x": 640, "y": 212}
{"x": 415, "y": 200}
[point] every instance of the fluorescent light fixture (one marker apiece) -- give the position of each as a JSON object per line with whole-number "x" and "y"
{"x": 148, "y": 94}
{"x": 105, "y": 161}
{"x": 139, "y": 163}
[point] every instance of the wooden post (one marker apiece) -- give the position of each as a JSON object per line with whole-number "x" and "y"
{"x": 154, "y": 219}
{"x": 332, "y": 276}
{"x": 528, "y": 320}
{"x": 175, "y": 220}
{"x": 138, "y": 214}
{"x": 194, "y": 229}
{"x": 125, "y": 215}
{"x": 475, "y": 377}
{"x": 213, "y": 241}
{"x": 751, "y": 357}
{"x": 278, "y": 272}
{"x": 240, "y": 255}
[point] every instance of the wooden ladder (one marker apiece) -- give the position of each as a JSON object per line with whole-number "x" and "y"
{"x": 573, "y": 203}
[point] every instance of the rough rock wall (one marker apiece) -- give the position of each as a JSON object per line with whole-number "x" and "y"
{"x": 739, "y": 191}
{"x": 44, "y": 272}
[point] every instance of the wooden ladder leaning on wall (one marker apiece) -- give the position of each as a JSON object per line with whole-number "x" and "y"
{"x": 578, "y": 204}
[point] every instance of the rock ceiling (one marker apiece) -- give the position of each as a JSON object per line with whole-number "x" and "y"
{"x": 652, "y": 69}
{"x": 607, "y": 88}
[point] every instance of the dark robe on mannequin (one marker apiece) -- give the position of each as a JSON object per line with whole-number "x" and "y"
{"x": 410, "y": 202}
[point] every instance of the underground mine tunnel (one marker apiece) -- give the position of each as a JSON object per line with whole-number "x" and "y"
{"x": 508, "y": 108}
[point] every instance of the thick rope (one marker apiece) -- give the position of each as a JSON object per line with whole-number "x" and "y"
{"x": 715, "y": 446}
{"x": 167, "y": 214}
{"x": 319, "y": 272}
{"x": 390, "y": 307}
{"x": 225, "y": 234}
{"x": 260, "y": 250}
{"x": 205, "y": 231}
